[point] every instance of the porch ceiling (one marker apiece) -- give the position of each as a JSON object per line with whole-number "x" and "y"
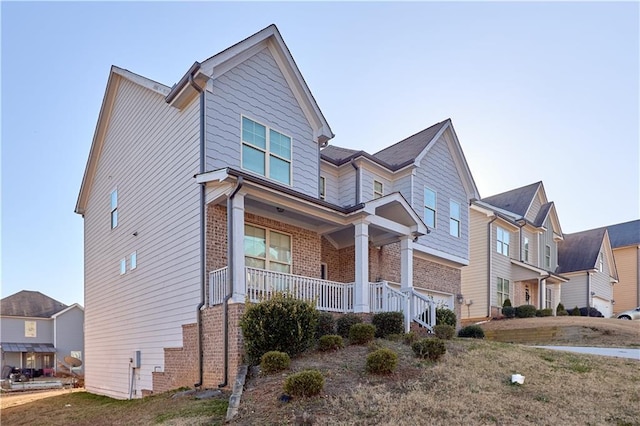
{"x": 524, "y": 272}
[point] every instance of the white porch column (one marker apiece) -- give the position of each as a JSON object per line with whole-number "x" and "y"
{"x": 361, "y": 290}
{"x": 237, "y": 250}
{"x": 556, "y": 297}
{"x": 543, "y": 293}
{"x": 406, "y": 263}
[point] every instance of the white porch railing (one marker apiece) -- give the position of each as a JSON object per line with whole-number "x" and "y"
{"x": 328, "y": 296}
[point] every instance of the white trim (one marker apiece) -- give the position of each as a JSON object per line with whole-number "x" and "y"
{"x": 268, "y": 153}
{"x": 435, "y": 207}
{"x": 439, "y": 256}
{"x": 378, "y": 194}
{"x": 458, "y": 220}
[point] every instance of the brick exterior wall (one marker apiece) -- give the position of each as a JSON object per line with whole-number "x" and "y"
{"x": 180, "y": 364}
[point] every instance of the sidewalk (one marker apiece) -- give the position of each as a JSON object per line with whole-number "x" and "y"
{"x": 615, "y": 352}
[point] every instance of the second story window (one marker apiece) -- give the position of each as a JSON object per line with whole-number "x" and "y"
{"x": 429, "y": 207}
{"x": 526, "y": 249}
{"x": 114, "y": 208}
{"x": 547, "y": 257}
{"x": 454, "y": 219}
{"x": 503, "y": 241}
{"x": 266, "y": 151}
{"x": 600, "y": 263}
{"x": 378, "y": 189}
{"x": 323, "y": 188}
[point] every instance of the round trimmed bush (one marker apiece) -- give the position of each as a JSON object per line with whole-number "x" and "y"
{"x": 387, "y": 323}
{"x": 509, "y": 312}
{"x": 283, "y": 324}
{"x": 444, "y": 331}
{"x": 330, "y": 342}
{"x": 576, "y": 312}
{"x": 507, "y": 302}
{"x": 526, "y": 311}
{"x": 361, "y": 333}
{"x": 445, "y": 316}
{"x": 344, "y": 323}
{"x": 546, "y": 312}
{"x": 274, "y": 361}
{"x": 382, "y": 361}
{"x": 561, "y": 311}
{"x": 431, "y": 349}
{"x": 304, "y": 383}
{"x": 326, "y": 325}
{"x": 472, "y": 331}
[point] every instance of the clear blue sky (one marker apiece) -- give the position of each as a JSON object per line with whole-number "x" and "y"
{"x": 536, "y": 91}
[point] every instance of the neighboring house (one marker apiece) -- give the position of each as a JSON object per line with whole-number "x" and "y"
{"x": 39, "y": 332}
{"x": 625, "y": 242}
{"x": 168, "y": 271}
{"x": 587, "y": 260}
{"x": 514, "y": 253}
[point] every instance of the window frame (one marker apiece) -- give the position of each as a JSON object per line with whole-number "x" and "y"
{"x": 501, "y": 244}
{"x": 133, "y": 260}
{"x": 123, "y": 266}
{"x": 526, "y": 249}
{"x": 323, "y": 188}
{"x": 500, "y": 295}
{"x": 433, "y": 208}
{"x": 600, "y": 262}
{"x": 266, "y": 259}
{"x": 547, "y": 256}
{"x": 457, "y": 221}
{"x": 376, "y": 193}
{"x": 548, "y": 303}
{"x": 114, "y": 208}
{"x": 266, "y": 151}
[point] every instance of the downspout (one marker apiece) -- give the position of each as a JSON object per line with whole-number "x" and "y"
{"x": 357, "y": 169}
{"x": 489, "y": 258}
{"x": 230, "y": 278}
{"x": 203, "y": 281}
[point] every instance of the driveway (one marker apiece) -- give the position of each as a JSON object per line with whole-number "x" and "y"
{"x": 616, "y": 352}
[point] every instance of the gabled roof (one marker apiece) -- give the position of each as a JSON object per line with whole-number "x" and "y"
{"x": 516, "y": 200}
{"x": 580, "y": 251}
{"x": 545, "y": 209}
{"x": 407, "y": 150}
{"x": 338, "y": 155}
{"x": 624, "y": 234}
{"x": 27, "y": 303}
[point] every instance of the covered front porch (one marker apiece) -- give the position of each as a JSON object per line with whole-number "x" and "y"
{"x": 283, "y": 241}
{"x": 535, "y": 286}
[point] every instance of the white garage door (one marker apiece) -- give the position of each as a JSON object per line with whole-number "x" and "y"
{"x": 604, "y": 306}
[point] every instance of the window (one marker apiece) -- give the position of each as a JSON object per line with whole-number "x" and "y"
{"x": 548, "y": 303}
{"x": 114, "y": 208}
{"x": 265, "y": 151}
{"x": 526, "y": 249}
{"x": 30, "y": 329}
{"x": 323, "y": 271}
{"x": 378, "y": 189}
{"x": 547, "y": 257}
{"x": 503, "y": 290}
{"x": 30, "y": 360}
{"x": 123, "y": 266}
{"x": 134, "y": 260}
{"x": 503, "y": 241}
{"x": 600, "y": 263}
{"x": 323, "y": 188}
{"x": 454, "y": 219}
{"x": 267, "y": 249}
{"x": 429, "y": 207}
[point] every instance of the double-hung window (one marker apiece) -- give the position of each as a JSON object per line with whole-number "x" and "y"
{"x": 266, "y": 151}
{"x": 600, "y": 263}
{"x": 526, "y": 249}
{"x": 430, "y": 207}
{"x": 378, "y": 189}
{"x": 323, "y": 188}
{"x": 114, "y": 208}
{"x": 267, "y": 249}
{"x": 548, "y": 303}
{"x": 502, "y": 241}
{"x": 503, "y": 290}
{"x": 547, "y": 257}
{"x": 454, "y": 218}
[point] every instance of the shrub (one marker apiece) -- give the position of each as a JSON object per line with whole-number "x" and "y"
{"x": 473, "y": 331}
{"x": 507, "y": 302}
{"x": 431, "y": 349}
{"x": 526, "y": 311}
{"x": 282, "y": 323}
{"x": 387, "y": 323}
{"x": 361, "y": 333}
{"x": 374, "y": 345}
{"x": 344, "y": 323}
{"x": 326, "y": 325}
{"x": 382, "y": 361}
{"x": 445, "y": 316}
{"x": 409, "y": 338}
{"x": 546, "y": 312}
{"x": 396, "y": 337}
{"x": 274, "y": 361}
{"x": 509, "y": 312}
{"x": 576, "y": 312}
{"x": 444, "y": 331}
{"x": 561, "y": 311}
{"x": 330, "y": 342}
{"x": 304, "y": 383}
{"x": 590, "y": 312}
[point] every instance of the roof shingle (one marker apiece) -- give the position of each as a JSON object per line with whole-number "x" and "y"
{"x": 516, "y": 200}
{"x": 28, "y": 303}
{"x": 580, "y": 251}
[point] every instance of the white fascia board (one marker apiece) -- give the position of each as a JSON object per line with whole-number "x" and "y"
{"x": 430, "y": 145}
{"x": 389, "y": 225}
{"x": 213, "y": 176}
{"x": 147, "y": 83}
{"x": 439, "y": 256}
{"x": 497, "y": 209}
{"x": 67, "y": 309}
{"x": 461, "y": 164}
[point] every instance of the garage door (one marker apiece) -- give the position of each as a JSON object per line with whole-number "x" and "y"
{"x": 604, "y": 306}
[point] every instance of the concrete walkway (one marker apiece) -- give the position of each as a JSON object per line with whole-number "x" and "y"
{"x": 630, "y": 353}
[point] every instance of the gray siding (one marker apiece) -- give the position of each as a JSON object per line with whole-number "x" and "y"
{"x": 533, "y": 247}
{"x": 574, "y": 292}
{"x": 257, "y": 89}
{"x": 332, "y": 184}
{"x": 474, "y": 276}
{"x": 368, "y": 176}
{"x": 13, "y": 330}
{"x": 601, "y": 281}
{"x": 347, "y": 194}
{"x": 532, "y": 213}
{"x": 69, "y": 333}
{"x": 438, "y": 172}
{"x": 403, "y": 186}
{"x": 500, "y": 264}
{"x": 150, "y": 154}
{"x": 546, "y": 238}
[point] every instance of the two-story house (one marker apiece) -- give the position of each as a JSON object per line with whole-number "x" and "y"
{"x": 514, "y": 253}
{"x": 222, "y": 189}
{"x": 587, "y": 260}
{"x": 38, "y": 332}
{"x": 625, "y": 243}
